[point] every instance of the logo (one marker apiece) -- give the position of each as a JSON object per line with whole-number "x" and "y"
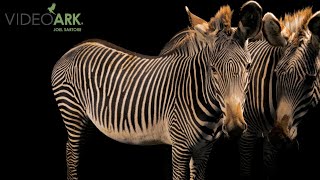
{"x": 51, "y": 8}
{"x": 61, "y": 22}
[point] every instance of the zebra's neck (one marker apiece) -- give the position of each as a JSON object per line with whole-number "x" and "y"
{"x": 194, "y": 103}
{"x": 261, "y": 98}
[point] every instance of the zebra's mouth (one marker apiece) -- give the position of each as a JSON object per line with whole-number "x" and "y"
{"x": 230, "y": 129}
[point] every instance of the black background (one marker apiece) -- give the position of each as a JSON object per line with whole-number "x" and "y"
{"x": 33, "y": 134}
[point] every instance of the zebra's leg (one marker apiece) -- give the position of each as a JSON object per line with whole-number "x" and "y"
{"x": 270, "y": 156}
{"x": 76, "y": 125}
{"x": 199, "y": 161}
{"x": 75, "y": 140}
{"x": 181, "y": 156}
{"x": 246, "y": 148}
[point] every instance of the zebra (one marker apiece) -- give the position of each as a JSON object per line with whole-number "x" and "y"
{"x": 285, "y": 83}
{"x": 187, "y": 97}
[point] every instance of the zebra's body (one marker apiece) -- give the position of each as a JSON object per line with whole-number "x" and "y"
{"x": 128, "y": 110}
{"x": 265, "y": 105}
{"x": 179, "y": 98}
{"x": 135, "y": 121}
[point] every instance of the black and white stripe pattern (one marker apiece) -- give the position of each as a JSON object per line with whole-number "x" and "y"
{"x": 316, "y": 93}
{"x": 281, "y": 99}
{"x": 179, "y": 98}
{"x": 260, "y": 105}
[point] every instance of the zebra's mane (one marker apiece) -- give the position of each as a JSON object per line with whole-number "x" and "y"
{"x": 295, "y": 25}
{"x": 222, "y": 19}
{"x": 191, "y": 39}
{"x": 187, "y": 39}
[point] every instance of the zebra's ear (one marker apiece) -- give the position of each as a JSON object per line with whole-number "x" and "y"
{"x": 314, "y": 27}
{"x": 272, "y": 30}
{"x": 250, "y": 21}
{"x": 197, "y": 23}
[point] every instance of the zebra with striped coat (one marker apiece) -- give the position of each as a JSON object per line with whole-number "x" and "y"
{"x": 180, "y": 98}
{"x": 284, "y": 86}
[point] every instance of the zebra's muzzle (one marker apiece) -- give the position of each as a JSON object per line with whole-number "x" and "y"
{"x": 234, "y": 124}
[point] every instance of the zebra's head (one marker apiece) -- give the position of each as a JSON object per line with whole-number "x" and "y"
{"x": 228, "y": 61}
{"x": 297, "y": 70}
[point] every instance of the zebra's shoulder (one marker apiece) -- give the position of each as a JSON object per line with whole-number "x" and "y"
{"x": 109, "y": 45}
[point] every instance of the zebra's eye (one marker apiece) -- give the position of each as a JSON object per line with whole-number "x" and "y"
{"x": 214, "y": 70}
{"x": 248, "y": 66}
